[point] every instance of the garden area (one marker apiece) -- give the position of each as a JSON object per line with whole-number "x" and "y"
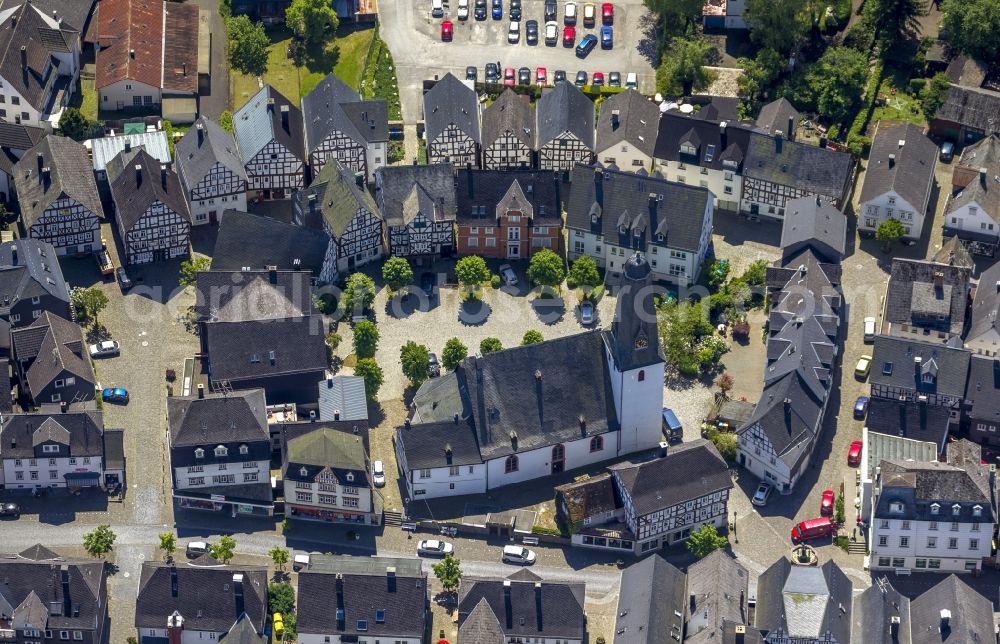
{"x": 380, "y": 77}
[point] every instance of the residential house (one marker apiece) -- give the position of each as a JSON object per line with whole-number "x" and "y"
{"x": 565, "y": 130}
{"x": 47, "y": 596}
{"x": 268, "y": 130}
{"x": 39, "y": 66}
{"x": 15, "y": 140}
{"x": 951, "y": 607}
{"x": 342, "y": 399}
{"x": 713, "y": 600}
{"x": 524, "y": 606}
{"x": 612, "y": 215}
{"x": 260, "y": 329}
{"x": 148, "y": 52}
{"x": 812, "y": 223}
{"x": 881, "y": 615}
{"x": 778, "y": 117}
{"x": 345, "y": 599}
{"x": 418, "y": 205}
{"x": 903, "y": 419}
{"x": 106, "y": 148}
{"x": 983, "y": 336}
{"x": 339, "y": 125}
{"x": 338, "y": 204}
{"x": 652, "y": 602}
{"x": 880, "y": 446}
{"x": 966, "y": 115}
{"x": 982, "y": 399}
{"x": 150, "y": 207}
{"x": 51, "y": 361}
{"x": 804, "y": 604}
{"x": 626, "y": 131}
{"x": 325, "y": 473}
{"x": 257, "y": 242}
{"x": 898, "y": 180}
{"x": 451, "y": 123}
{"x": 777, "y": 170}
{"x": 478, "y": 428}
{"x": 508, "y": 214}
{"x": 201, "y": 600}
{"x": 220, "y": 452}
{"x": 509, "y": 132}
{"x": 973, "y": 209}
{"x": 674, "y": 494}
{"x": 31, "y": 282}
{"x": 58, "y": 446}
{"x": 58, "y": 196}
{"x": 211, "y": 172}
{"x": 711, "y": 153}
{"x": 927, "y": 300}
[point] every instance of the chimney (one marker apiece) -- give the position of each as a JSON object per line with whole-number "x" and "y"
{"x": 340, "y": 602}
{"x": 173, "y": 581}
{"x": 184, "y": 68}
{"x": 456, "y": 419}
{"x": 468, "y": 177}
{"x": 175, "y": 627}
{"x": 24, "y": 58}
{"x": 329, "y": 383}
{"x": 507, "y": 608}
{"x": 272, "y": 274}
{"x": 270, "y": 103}
{"x": 45, "y": 176}
{"x": 894, "y": 626}
{"x": 64, "y": 578}
{"x": 652, "y": 203}
{"x": 312, "y": 202}
{"x": 40, "y": 160}
{"x": 201, "y": 133}
{"x": 892, "y": 160}
{"x": 131, "y": 54}
{"x": 722, "y": 136}
{"x": 138, "y": 175}
{"x": 284, "y": 118}
{"x": 822, "y": 140}
{"x": 13, "y": 259}
{"x": 359, "y": 179}
{"x": 945, "y": 620}
{"x": 128, "y": 145}
{"x": 390, "y": 578}
{"x": 777, "y": 141}
{"x": 740, "y": 633}
{"x": 538, "y": 375}
{"x": 662, "y": 452}
{"x": 447, "y": 453}
{"x": 982, "y": 176}
{"x": 336, "y": 414}
{"x": 513, "y": 440}
{"x": 614, "y": 119}
{"x": 238, "y": 594}
{"x": 791, "y": 128}
{"x": 201, "y": 390}
{"x": 62, "y": 406}
{"x": 163, "y": 177}
{"x": 538, "y": 605}
{"x": 312, "y": 415}
{"x": 917, "y": 360}
{"x": 583, "y": 424}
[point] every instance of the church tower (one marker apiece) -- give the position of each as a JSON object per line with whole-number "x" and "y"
{"x": 635, "y": 360}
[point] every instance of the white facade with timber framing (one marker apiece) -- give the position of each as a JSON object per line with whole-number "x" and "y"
{"x": 565, "y": 128}
{"x": 451, "y": 123}
{"x": 211, "y": 172}
{"x": 417, "y": 203}
{"x": 509, "y": 133}
{"x": 268, "y": 132}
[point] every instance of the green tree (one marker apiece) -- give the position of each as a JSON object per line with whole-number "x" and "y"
{"x": 449, "y": 572}
{"x": 684, "y": 63}
{"x": 893, "y": 22}
{"x": 705, "y": 540}
{"x": 369, "y": 370}
{"x": 889, "y": 231}
{"x": 279, "y": 556}
{"x": 838, "y": 509}
{"x": 397, "y": 273}
{"x": 725, "y": 442}
{"x": 248, "y": 43}
{"x": 682, "y": 325}
{"x": 471, "y": 272}
{"x": 365, "y": 339}
{"x": 168, "y": 544}
{"x": 546, "y": 268}
{"x": 281, "y": 598}
{"x": 756, "y": 273}
{"x": 7, "y": 217}
{"x": 311, "y": 19}
{"x": 531, "y": 337}
{"x": 676, "y": 16}
{"x": 490, "y": 345}
{"x": 359, "y": 294}
{"x": 88, "y": 303}
{"x": 224, "y": 549}
{"x": 777, "y": 24}
{"x": 973, "y": 27}
{"x": 333, "y": 340}
{"x": 78, "y": 127}
{"x": 836, "y": 81}
{"x": 100, "y": 541}
{"x": 415, "y": 362}
{"x": 724, "y": 382}
{"x": 584, "y": 274}
{"x": 454, "y": 352}
{"x": 933, "y": 94}
{"x": 226, "y": 121}
{"x": 190, "y": 269}
{"x": 759, "y": 74}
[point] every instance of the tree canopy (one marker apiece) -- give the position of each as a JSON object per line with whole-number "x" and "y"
{"x": 933, "y": 94}
{"x": 78, "y": 127}
{"x": 311, "y": 19}
{"x": 684, "y": 63}
{"x": 705, "y": 540}
{"x": 833, "y": 84}
{"x": 168, "y": 543}
{"x": 893, "y": 22}
{"x": 369, "y": 370}
{"x": 759, "y": 74}
{"x": 365, "y": 339}
{"x": 190, "y": 269}
{"x": 88, "y": 303}
{"x": 454, "y": 352}
{"x": 889, "y": 231}
{"x": 777, "y": 24}
{"x": 490, "y": 345}
{"x": 397, "y": 273}
{"x": 359, "y": 293}
{"x": 531, "y": 337}
{"x": 100, "y": 541}
{"x": 973, "y": 27}
{"x": 224, "y": 549}
{"x": 472, "y": 270}
{"x": 449, "y": 572}
{"x": 546, "y": 268}
{"x": 248, "y": 43}
{"x": 279, "y": 556}
{"x": 415, "y": 359}
{"x": 583, "y": 273}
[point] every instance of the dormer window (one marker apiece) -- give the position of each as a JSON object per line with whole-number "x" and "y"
{"x": 349, "y": 477}
{"x": 935, "y": 508}
{"x": 221, "y": 450}
{"x": 687, "y": 148}
{"x": 928, "y": 379}
{"x": 896, "y": 506}
{"x": 594, "y": 219}
{"x": 977, "y": 510}
{"x": 637, "y": 233}
{"x": 622, "y": 229}
{"x": 956, "y": 509}
{"x": 244, "y": 450}
{"x": 659, "y": 237}
{"x": 199, "y": 453}
{"x": 303, "y": 471}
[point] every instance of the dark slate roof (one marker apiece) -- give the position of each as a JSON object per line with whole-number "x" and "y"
{"x": 920, "y": 292}
{"x": 544, "y": 609}
{"x": 20, "y": 137}
{"x": 201, "y": 147}
{"x": 565, "y": 109}
{"x": 805, "y": 167}
{"x": 35, "y": 271}
{"x": 258, "y": 242}
{"x": 395, "y": 187}
{"x": 440, "y": 444}
{"x": 481, "y": 626}
{"x": 717, "y": 589}
{"x": 40, "y": 37}
{"x": 361, "y": 593}
{"x": 721, "y": 108}
{"x": 138, "y": 181}
{"x": 36, "y": 573}
{"x": 56, "y": 345}
{"x": 451, "y": 101}
{"x": 804, "y": 601}
{"x": 243, "y": 632}
{"x": 981, "y": 189}
{"x": 919, "y": 484}
{"x": 966, "y": 72}
{"x": 238, "y": 416}
{"x": 873, "y": 612}
{"x": 629, "y": 117}
{"x": 74, "y": 15}
{"x": 332, "y": 105}
{"x": 258, "y": 123}
{"x": 954, "y": 253}
{"x": 718, "y": 145}
{"x": 897, "y": 355}
{"x": 114, "y": 449}
{"x": 81, "y": 431}
{"x": 910, "y": 174}
{"x": 337, "y": 198}
{"x": 651, "y": 602}
{"x": 918, "y": 422}
{"x": 983, "y": 391}
{"x": 513, "y": 113}
{"x": 971, "y": 614}
{"x": 588, "y": 498}
{"x": 688, "y": 471}
{"x": 983, "y": 331}
{"x": 70, "y": 175}
{"x": 810, "y": 221}
{"x": 322, "y": 448}
{"x": 774, "y": 116}
{"x": 239, "y": 296}
{"x": 975, "y": 108}
{"x": 205, "y": 595}
{"x": 536, "y": 192}
{"x": 633, "y": 201}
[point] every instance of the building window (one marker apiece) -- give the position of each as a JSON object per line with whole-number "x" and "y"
{"x": 50, "y": 449}
{"x": 932, "y": 542}
{"x": 64, "y": 635}
{"x": 952, "y": 543}
{"x": 244, "y": 449}
{"x": 326, "y": 499}
{"x": 898, "y": 562}
{"x": 199, "y": 453}
{"x": 510, "y": 465}
{"x": 349, "y": 502}
{"x": 425, "y": 473}
{"x": 954, "y": 527}
{"x": 884, "y": 524}
{"x": 883, "y": 541}
{"x": 904, "y": 542}
{"x": 250, "y": 477}
{"x": 975, "y": 527}
{"x": 977, "y": 510}
{"x": 53, "y": 474}
{"x": 196, "y": 480}
{"x": 221, "y": 450}
{"x": 78, "y": 635}
{"x": 883, "y": 562}
{"x": 921, "y": 563}
{"x": 453, "y": 470}
{"x": 906, "y": 525}
{"x": 642, "y": 375}
{"x": 596, "y": 443}
{"x": 33, "y": 476}
{"x": 935, "y": 508}
{"x": 933, "y": 564}
{"x": 304, "y": 497}
{"x": 973, "y": 544}
{"x": 932, "y": 525}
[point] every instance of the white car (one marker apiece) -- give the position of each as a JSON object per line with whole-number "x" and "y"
{"x": 463, "y": 9}
{"x": 551, "y": 32}
{"x": 518, "y": 555}
{"x": 378, "y": 474}
{"x": 514, "y": 32}
{"x": 437, "y": 8}
{"x": 761, "y": 495}
{"x": 569, "y": 17}
{"x": 105, "y": 349}
{"x": 631, "y": 81}
{"x": 869, "y": 330}
{"x": 508, "y": 275}
{"x": 435, "y": 548}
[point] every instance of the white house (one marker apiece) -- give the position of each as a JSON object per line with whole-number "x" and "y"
{"x": 211, "y": 173}
{"x": 521, "y": 608}
{"x": 53, "y": 448}
{"x": 898, "y": 180}
{"x": 626, "y": 131}
{"x": 973, "y": 210}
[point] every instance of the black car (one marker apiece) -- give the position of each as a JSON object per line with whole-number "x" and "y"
{"x": 581, "y": 78}
{"x": 551, "y": 10}
{"x": 471, "y": 73}
{"x": 558, "y": 76}
{"x": 524, "y": 76}
{"x": 480, "y": 10}
{"x": 492, "y": 73}
{"x": 427, "y": 280}
{"x": 433, "y": 366}
{"x": 615, "y": 79}
{"x": 515, "y": 10}
{"x": 10, "y": 510}
{"x": 531, "y": 32}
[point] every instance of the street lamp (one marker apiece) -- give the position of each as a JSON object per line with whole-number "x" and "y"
{"x": 736, "y": 537}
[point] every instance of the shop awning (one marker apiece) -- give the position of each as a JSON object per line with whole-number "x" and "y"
{"x": 83, "y": 478}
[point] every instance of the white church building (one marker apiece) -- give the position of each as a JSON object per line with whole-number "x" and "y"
{"x": 527, "y": 412}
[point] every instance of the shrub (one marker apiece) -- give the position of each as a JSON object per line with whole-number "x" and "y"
{"x": 917, "y": 84}
{"x": 495, "y": 281}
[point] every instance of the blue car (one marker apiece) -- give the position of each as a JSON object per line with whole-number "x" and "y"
{"x": 861, "y": 407}
{"x": 115, "y": 395}
{"x": 607, "y": 37}
{"x": 497, "y": 9}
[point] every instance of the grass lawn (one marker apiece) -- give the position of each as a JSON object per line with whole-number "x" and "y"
{"x": 85, "y": 95}
{"x": 900, "y": 105}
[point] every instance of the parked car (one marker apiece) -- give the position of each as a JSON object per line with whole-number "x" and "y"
{"x": 569, "y": 16}
{"x": 861, "y": 407}
{"x": 524, "y": 76}
{"x": 115, "y": 395}
{"x": 480, "y": 10}
{"x": 508, "y": 275}
{"x": 10, "y": 510}
{"x": 569, "y": 36}
{"x": 378, "y": 474}
{"x": 104, "y": 349}
{"x": 123, "y": 280}
{"x": 300, "y": 561}
{"x": 608, "y": 13}
{"x": 518, "y": 555}
{"x": 509, "y": 76}
{"x": 587, "y": 44}
{"x": 514, "y": 32}
{"x": 581, "y": 78}
{"x": 597, "y": 79}
{"x": 863, "y": 367}
{"x": 471, "y": 73}
{"x": 433, "y": 366}
{"x": 670, "y": 425}
{"x": 497, "y": 9}
{"x": 558, "y": 76}
{"x": 589, "y": 15}
{"x": 947, "y": 151}
{"x": 515, "y": 10}
{"x": 869, "y": 330}
{"x": 447, "y": 31}
{"x": 826, "y": 503}
{"x": 551, "y": 10}
{"x": 631, "y": 81}
{"x": 531, "y": 32}
{"x": 104, "y": 261}
{"x": 551, "y": 33}
{"x": 614, "y": 79}
{"x": 541, "y": 76}
{"x": 463, "y": 9}
{"x": 607, "y": 37}
{"x": 434, "y": 548}
{"x": 854, "y": 453}
{"x": 196, "y": 549}
{"x": 437, "y": 8}
{"x": 492, "y": 73}
{"x": 813, "y": 529}
{"x": 586, "y": 312}
{"x": 761, "y": 495}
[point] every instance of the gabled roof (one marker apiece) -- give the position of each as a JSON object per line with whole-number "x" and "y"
{"x": 20, "y": 137}
{"x": 343, "y": 398}
{"x": 258, "y": 242}
{"x": 137, "y": 182}
{"x": 513, "y": 113}
{"x": 565, "y": 109}
{"x": 238, "y": 416}
{"x": 984, "y": 331}
{"x": 954, "y": 253}
{"x": 203, "y": 146}
{"x": 106, "y": 148}
{"x": 549, "y": 610}
{"x": 722, "y": 144}
{"x": 976, "y": 187}
{"x": 718, "y": 586}
{"x": 80, "y": 431}
{"x": 484, "y": 194}
{"x": 39, "y": 36}
{"x": 332, "y": 105}
{"x": 69, "y": 176}
{"x": 30, "y": 268}
{"x": 805, "y": 602}
{"x": 972, "y": 107}
{"x": 481, "y": 626}
{"x": 806, "y": 167}
{"x": 335, "y": 197}
{"x": 926, "y": 423}
{"x": 983, "y": 390}
{"x": 774, "y": 117}
{"x": 322, "y": 448}
{"x": 396, "y": 186}
{"x": 74, "y": 15}
{"x": 592, "y": 497}
{"x": 628, "y": 117}
{"x": 895, "y": 363}
{"x": 651, "y": 602}
{"x": 923, "y": 484}
{"x": 970, "y": 614}
{"x": 451, "y": 101}
{"x": 243, "y": 632}
{"x": 811, "y": 222}
{"x": 927, "y": 294}
{"x": 260, "y": 121}
{"x": 56, "y": 345}
{"x": 901, "y": 161}
{"x": 873, "y": 612}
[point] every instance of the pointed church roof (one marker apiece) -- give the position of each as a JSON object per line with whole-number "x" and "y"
{"x": 633, "y": 340}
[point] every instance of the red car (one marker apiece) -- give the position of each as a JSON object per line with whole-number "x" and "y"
{"x": 608, "y": 13}
{"x": 446, "y": 31}
{"x": 854, "y": 453}
{"x": 826, "y": 505}
{"x": 541, "y": 76}
{"x": 597, "y": 80}
{"x": 509, "y": 76}
{"x": 569, "y": 36}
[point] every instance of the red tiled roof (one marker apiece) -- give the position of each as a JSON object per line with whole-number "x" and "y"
{"x": 131, "y": 34}
{"x": 180, "y": 56}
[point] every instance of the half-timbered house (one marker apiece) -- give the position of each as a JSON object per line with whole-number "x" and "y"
{"x": 211, "y": 172}
{"x": 451, "y": 123}
{"x": 15, "y": 140}
{"x": 973, "y": 210}
{"x": 339, "y": 125}
{"x": 509, "y": 133}
{"x": 565, "y": 128}
{"x": 152, "y": 214}
{"x": 268, "y": 132}
{"x": 58, "y": 196}
{"x": 338, "y": 204}
{"x": 626, "y": 131}
{"x": 915, "y": 372}
{"x": 418, "y": 205}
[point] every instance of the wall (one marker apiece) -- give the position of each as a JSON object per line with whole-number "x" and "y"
{"x": 333, "y": 638}
{"x": 375, "y": 157}
{"x": 626, "y": 156}
{"x": 972, "y": 218}
{"x": 917, "y": 547}
{"x": 182, "y": 475}
{"x": 121, "y": 95}
{"x": 718, "y": 181}
{"x": 538, "y": 463}
{"x": 62, "y": 466}
{"x": 875, "y": 211}
{"x": 440, "y": 481}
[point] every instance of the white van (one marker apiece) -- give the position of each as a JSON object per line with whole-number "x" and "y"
{"x": 196, "y": 549}
{"x": 869, "y": 330}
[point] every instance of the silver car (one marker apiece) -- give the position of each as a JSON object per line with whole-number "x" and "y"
{"x": 105, "y": 349}
{"x": 434, "y": 548}
{"x": 761, "y": 495}
{"x": 508, "y": 275}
